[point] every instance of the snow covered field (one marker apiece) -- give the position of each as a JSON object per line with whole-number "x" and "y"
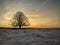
{"x": 43, "y": 36}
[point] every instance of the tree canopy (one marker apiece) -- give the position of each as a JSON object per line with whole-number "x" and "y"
{"x": 19, "y": 19}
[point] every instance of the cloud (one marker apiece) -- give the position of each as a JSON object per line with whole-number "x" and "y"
{"x": 39, "y": 12}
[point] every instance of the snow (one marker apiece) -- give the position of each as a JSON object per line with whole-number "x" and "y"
{"x": 43, "y": 36}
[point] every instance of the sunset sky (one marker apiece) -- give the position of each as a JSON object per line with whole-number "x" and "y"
{"x": 41, "y": 13}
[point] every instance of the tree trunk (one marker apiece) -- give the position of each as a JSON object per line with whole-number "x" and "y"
{"x": 20, "y": 26}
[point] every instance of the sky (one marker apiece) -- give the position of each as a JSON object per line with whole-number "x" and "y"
{"x": 41, "y": 13}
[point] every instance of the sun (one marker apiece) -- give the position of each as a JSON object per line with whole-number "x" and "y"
{"x": 8, "y": 16}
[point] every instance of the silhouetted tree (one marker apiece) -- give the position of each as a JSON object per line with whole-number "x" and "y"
{"x": 19, "y": 19}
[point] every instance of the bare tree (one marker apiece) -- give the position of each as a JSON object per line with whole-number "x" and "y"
{"x": 19, "y": 19}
